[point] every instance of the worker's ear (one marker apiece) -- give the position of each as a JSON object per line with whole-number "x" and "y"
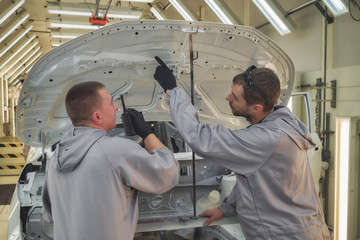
{"x": 257, "y": 108}
{"x": 96, "y": 118}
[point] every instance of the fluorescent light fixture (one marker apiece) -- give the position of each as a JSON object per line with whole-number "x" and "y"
{"x": 17, "y": 83}
{"x": 63, "y": 36}
{"x": 72, "y": 22}
{"x": 14, "y": 74}
{"x": 337, "y": 7}
{"x": 157, "y": 12}
{"x": 273, "y": 11}
{"x": 19, "y": 58}
{"x": 342, "y": 149}
{"x": 10, "y": 10}
{"x": 18, "y": 37}
{"x": 79, "y": 26}
{"x": 30, "y": 64}
{"x": 76, "y": 9}
{"x": 75, "y": 13}
{"x": 145, "y": 1}
{"x": 9, "y": 29}
{"x": 24, "y": 61}
{"x": 184, "y": 10}
{"x": 16, "y": 51}
{"x": 223, "y": 12}
{"x": 24, "y": 68}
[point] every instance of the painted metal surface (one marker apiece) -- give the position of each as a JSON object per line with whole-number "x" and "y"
{"x": 122, "y": 57}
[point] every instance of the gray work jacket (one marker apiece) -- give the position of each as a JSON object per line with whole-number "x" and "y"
{"x": 274, "y": 196}
{"x": 90, "y": 190}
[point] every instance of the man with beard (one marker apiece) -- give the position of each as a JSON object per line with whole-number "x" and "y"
{"x": 275, "y": 195}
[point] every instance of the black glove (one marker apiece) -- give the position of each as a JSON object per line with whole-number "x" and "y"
{"x": 164, "y": 76}
{"x": 139, "y": 124}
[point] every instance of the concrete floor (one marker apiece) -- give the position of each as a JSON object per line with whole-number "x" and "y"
{"x": 5, "y": 198}
{"x": 4, "y": 214}
{"x": 7, "y": 187}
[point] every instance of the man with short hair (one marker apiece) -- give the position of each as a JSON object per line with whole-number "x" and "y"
{"x": 274, "y": 195}
{"x": 93, "y": 179}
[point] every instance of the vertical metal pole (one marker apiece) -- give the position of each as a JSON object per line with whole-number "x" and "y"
{"x": 192, "y": 101}
{"x": 2, "y": 99}
{"x": 325, "y": 125}
{"x": 6, "y": 101}
{"x": 326, "y": 158}
{"x": 12, "y": 117}
{"x": 318, "y": 107}
{"x": 325, "y": 63}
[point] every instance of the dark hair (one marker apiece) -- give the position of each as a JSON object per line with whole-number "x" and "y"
{"x": 266, "y": 81}
{"x": 81, "y": 101}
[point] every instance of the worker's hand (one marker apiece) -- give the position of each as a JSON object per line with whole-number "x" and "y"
{"x": 164, "y": 76}
{"x": 214, "y": 214}
{"x": 139, "y": 124}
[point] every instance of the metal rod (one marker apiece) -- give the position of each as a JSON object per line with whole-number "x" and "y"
{"x": 322, "y": 100}
{"x": 107, "y": 8}
{"x": 325, "y": 139}
{"x": 325, "y": 63}
{"x": 301, "y": 7}
{"x": 123, "y": 103}
{"x": 292, "y": 11}
{"x": 192, "y": 101}
{"x": 97, "y": 8}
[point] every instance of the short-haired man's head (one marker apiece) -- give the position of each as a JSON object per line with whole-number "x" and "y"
{"x": 82, "y": 100}
{"x": 266, "y": 81}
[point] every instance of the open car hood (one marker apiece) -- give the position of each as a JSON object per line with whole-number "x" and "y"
{"x": 121, "y": 56}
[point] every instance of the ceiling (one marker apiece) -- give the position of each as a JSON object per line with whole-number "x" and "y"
{"x": 39, "y": 15}
{"x": 39, "y": 18}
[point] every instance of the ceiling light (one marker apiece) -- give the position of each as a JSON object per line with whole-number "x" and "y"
{"x": 67, "y": 33}
{"x": 145, "y": 1}
{"x": 76, "y": 9}
{"x": 31, "y": 61}
{"x": 10, "y": 10}
{"x": 16, "y": 51}
{"x": 68, "y": 25}
{"x": 20, "y": 65}
{"x": 157, "y": 12}
{"x": 19, "y": 83}
{"x": 18, "y": 37}
{"x": 19, "y": 59}
{"x": 337, "y": 7}
{"x": 184, "y": 10}
{"x": 273, "y": 11}
{"x": 11, "y": 27}
{"x": 72, "y": 23}
{"x": 223, "y": 12}
{"x": 63, "y": 36}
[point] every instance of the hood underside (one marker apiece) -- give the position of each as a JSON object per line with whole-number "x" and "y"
{"x": 121, "y": 56}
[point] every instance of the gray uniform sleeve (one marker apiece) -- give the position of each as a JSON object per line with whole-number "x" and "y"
{"x": 155, "y": 172}
{"x": 46, "y": 210}
{"x": 228, "y": 205}
{"x": 242, "y": 151}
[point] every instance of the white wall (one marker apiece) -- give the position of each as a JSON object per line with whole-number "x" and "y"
{"x": 304, "y": 46}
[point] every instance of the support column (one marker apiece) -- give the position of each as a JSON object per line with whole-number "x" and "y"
{"x": 2, "y": 100}
{"x": 6, "y": 100}
{"x": 12, "y": 117}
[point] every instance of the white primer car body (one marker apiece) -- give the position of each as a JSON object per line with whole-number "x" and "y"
{"x": 121, "y": 56}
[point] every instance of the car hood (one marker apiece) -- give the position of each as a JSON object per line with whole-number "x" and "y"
{"x": 121, "y": 56}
